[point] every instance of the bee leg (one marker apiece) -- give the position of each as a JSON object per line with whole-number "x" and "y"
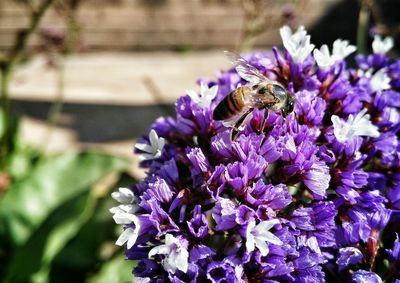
{"x": 264, "y": 120}
{"x": 235, "y": 129}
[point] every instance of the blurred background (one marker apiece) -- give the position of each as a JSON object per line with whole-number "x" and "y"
{"x": 81, "y": 80}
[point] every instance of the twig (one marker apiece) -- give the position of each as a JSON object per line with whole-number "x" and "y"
{"x": 6, "y": 67}
{"x": 23, "y": 36}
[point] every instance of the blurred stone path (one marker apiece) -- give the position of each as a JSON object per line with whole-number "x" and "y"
{"x": 110, "y": 99}
{"x": 118, "y": 78}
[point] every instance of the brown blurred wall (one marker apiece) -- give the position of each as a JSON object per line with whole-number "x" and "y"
{"x": 162, "y": 24}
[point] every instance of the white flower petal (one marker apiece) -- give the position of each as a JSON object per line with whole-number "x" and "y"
{"x": 297, "y": 44}
{"x": 266, "y": 225}
{"x": 380, "y": 81}
{"x": 206, "y": 95}
{"x": 144, "y": 147}
{"x": 203, "y": 88}
{"x": 146, "y": 156}
{"x": 360, "y": 125}
{"x": 154, "y": 150}
{"x": 250, "y": 243}
{"x": 176, "y": 255}
{"x": 160, "y": 250}
{"x": 342, "y": 49}
{"x": 312, "y": 243}
{"x": 129, "y": 208}
{"x": 193, "y": 95}
{"x": 181, "y": 260}
{"x": 170, "y": 239}
{"x": 169, "y": 265}
{"x": 132, "y": 239}
{"x": 160, "y": 144}
{"x": 123, "y": 218}
{"x": 267, "y": 236}
{"x": 380, "y": 46}
{"x": 130, "y": 235}
{"x": 116, "y": 209}
{"x": 125, "y": 236}
{"x": 259, "y": 236}
{"x": 290, "y": 144}
{"x": 124, "y": 196}
{"x": 141, "y": 280}
{"x": 262, "y": 246}
{"x": 323, "y": 57}
{"x": 212, "y": 92}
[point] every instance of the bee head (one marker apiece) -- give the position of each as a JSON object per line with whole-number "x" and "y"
{"x": 289, "y": 106}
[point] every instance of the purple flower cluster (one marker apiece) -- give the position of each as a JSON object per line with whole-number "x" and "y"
{"x": 301, "y": 199}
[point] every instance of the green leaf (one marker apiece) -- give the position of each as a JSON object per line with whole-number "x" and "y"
{"x": 61, "y": 235}
{"x": 116, "y": 270}
{"x": 86, "y": 252}
{"x": 42, "y": 230}
{"x": 36, "y": 254}
{"x": 21, "y": 161}
{"x": 53, "y": 182}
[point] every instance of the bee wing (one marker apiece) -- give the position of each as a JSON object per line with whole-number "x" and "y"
{"x": 245, "y": 70}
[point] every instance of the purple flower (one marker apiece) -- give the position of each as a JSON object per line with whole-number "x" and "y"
{"x": 362, "y": 276}
{"x": 146, "y": 268}
{"x": 348, "y": 256}
{"x": 198, "y": 224}
{"x": 274, "y": 197}
{"x": 224, "y": 214}
{"x": 394, "y": 253}
{"x": 302, "y": 198}
{"x": 218, "y": 272}
{"x": 176, "y": 255}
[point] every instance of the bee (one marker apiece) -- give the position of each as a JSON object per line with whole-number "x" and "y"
{"x": 260, "y": 93}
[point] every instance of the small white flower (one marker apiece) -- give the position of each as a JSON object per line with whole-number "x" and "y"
{"x": 124, "y": 196}
{"x": 380, "y": 81}
{"x": 342, "y": 49}
{"x": 124, "y": 214}
{"x": 130, "y": 235}
{"x": 206, "y": 95}
{"x": 309, "y": 241}
{"x": 355, "y": 126}
{"x": 128, "y": 204}
{"x": 323, "y": 57}
{"x": 258, "y": 236}
{"x": 176, "y": 256}
{"x": 380, "y": 46}
{"x": 152, "y": 150}
{"x": 297, "y": 44}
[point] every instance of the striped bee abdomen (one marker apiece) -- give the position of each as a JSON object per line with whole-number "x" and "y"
{"x": 230, "y": 106}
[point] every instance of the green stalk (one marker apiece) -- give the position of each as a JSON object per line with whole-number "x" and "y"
{"x": 72, "y": 38}
{"x": 6, "y": 69}
{"x": 56, "y": 107}
{"x": 5, "y": 105}
{"x": 362, "y": 28}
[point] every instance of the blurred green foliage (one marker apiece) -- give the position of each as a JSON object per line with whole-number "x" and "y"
{"x": 54, "y": 220}
{"x": 55, "y": 224}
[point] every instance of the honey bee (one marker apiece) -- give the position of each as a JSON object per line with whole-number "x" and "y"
{"x": 260, "y": 93}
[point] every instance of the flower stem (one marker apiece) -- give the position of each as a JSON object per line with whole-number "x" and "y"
{"x": 6, "y": 70}
{"x": 5, "y": 105}
{"x": 56, "y": 107}
{"x": 362, "y": 28}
